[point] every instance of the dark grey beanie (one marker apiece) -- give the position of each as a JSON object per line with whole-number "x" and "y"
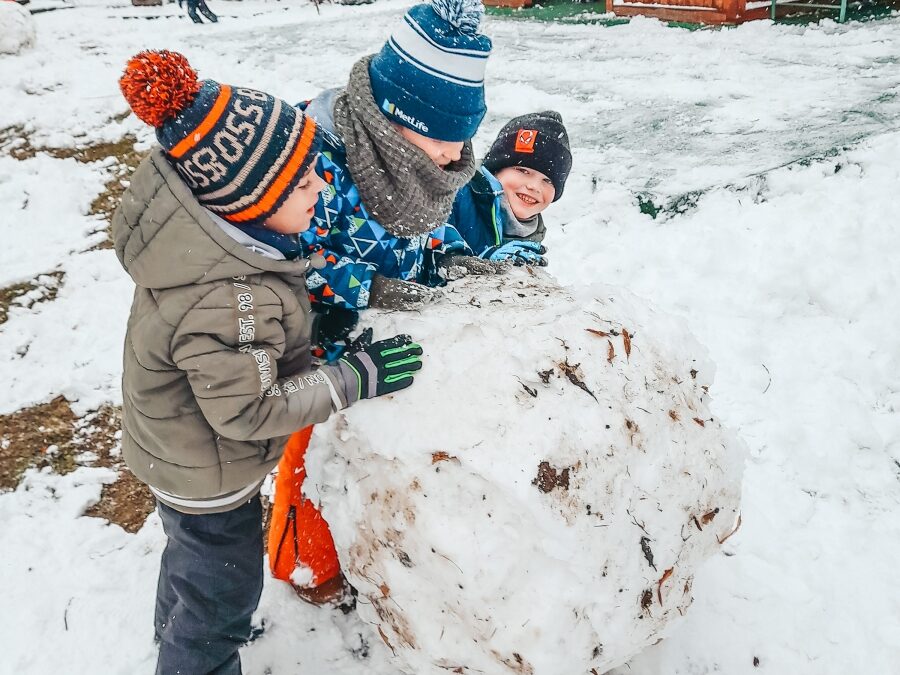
{"x": 536, "y": 141}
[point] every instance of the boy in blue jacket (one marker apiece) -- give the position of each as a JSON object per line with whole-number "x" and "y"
{"x": 397, "y": 153}
{"x": 498, "y": 215}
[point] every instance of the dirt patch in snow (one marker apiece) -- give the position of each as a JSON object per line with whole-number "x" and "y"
{"x": 549, "y": 477}
{"x": 51, "y": 435}
{"x": 14, "y": 141}
{"x": 42, "y": 289}
{"x": 126, "y": 161}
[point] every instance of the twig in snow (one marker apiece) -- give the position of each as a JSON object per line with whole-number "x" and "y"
{"x": 95, "y": 556}
{"x": 648, "y": 552}
{"x": 635, "y": 521}
{"x": 665, "y": 576}
{"x": 386, "y": 641}
{"x": 729, "y": 535}
{"x": 770, "y": 379}
{"x": 66, "y": 613}
{"x": 450, "y": 561}
{"x": 571, "y": 373}
{"x": 531, "y": 392}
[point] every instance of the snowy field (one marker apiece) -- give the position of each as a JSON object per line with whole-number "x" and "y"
{"x": 773, "y": 153}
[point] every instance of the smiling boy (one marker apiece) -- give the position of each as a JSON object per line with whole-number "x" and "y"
{"x": 498, "y": 215}
{"x": 531, "y": 159}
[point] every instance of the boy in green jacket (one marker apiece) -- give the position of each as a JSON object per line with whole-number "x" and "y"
{"x": 217, "y": 364}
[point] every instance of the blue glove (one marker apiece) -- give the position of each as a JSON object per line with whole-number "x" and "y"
{"x": 518, "y": 252}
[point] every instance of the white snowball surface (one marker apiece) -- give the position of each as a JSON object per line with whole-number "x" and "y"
{"x": 499, "y": 517}
{"x": 17, "y": 29}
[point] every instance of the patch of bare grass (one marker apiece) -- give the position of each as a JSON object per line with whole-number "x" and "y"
{"x": 16, "y": 143}
{"x": 42, "y": 289}
{"x": 51, "y": 435}
{"x": 126, "y": 161}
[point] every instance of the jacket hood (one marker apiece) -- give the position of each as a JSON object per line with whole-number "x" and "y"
{"x": 164, "y": 238}
{"x": 321, "y": 109}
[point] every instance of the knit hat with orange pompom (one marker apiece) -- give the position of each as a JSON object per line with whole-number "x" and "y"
{"x": 241, "y": 151}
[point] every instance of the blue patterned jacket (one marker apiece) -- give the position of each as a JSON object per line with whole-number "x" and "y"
{"x": 355, "y": 246}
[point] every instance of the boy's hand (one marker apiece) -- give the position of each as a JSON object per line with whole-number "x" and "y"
{"x": 383, "y": 367}
{"x": 333, "y": 325}
{"x": 387, "y": 293}
{"x": 458, "y": 266}
{"x": 518, "y": 252}
{"x": 361, "y": 341}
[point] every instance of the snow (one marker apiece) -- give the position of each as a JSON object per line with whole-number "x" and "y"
{"x": 589, "y": 473}
{"x": 73, "y": 345}
{"x": 17, "y": 29}
{"x": 50, "y": 199}
{"x": 58, "y": 581}
{"x": 772, "y": 151}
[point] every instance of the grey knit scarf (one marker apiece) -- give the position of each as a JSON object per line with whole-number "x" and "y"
{"x": 403, "y": 190}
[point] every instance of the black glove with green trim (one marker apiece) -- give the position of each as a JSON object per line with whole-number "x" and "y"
{"x": 380, "y": 368}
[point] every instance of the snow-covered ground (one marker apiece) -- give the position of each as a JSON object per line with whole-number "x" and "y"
{"x": 780, "y": 146}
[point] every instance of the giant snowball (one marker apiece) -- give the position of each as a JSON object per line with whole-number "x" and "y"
{"x": 17, "y": 29}
{"x": 539, "y": 500}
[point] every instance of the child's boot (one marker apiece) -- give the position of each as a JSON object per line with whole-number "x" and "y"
{"x": 336, "y": 591}
{"x": 301, "y": 549}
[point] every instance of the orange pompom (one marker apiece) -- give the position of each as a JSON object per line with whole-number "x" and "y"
{"x": 158, "y": 85}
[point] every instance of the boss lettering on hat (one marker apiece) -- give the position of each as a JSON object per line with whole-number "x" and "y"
{"x": 240, "y": 151}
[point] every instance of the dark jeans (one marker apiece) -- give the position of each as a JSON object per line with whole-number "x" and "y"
{"x": 210, "y": 580}
{"x": 194, "y": 5}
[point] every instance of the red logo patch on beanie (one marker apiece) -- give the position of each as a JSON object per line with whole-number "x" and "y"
{"x": 525, "y": 139}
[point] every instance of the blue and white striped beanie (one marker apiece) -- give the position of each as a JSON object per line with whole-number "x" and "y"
{"x": 429, "y": 76}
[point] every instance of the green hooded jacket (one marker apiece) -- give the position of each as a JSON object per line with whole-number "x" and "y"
{"x": 217, "y": 364}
